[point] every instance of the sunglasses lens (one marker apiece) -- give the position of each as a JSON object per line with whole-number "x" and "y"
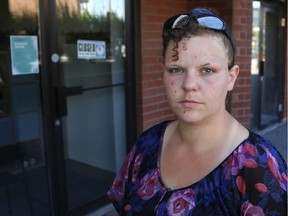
{"x": 181, "y": 21}
{"x": 207, "y": 21}
{"x": 211, "y": 22}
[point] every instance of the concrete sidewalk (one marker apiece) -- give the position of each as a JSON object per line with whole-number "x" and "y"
{"x": 277, "y": 135}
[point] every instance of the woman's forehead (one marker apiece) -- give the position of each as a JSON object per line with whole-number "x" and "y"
{"x": 198, "y": 45}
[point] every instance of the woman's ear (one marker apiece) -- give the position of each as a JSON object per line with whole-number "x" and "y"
{"x": 233, "y": 74}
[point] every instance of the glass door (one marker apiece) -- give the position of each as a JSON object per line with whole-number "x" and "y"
{"x": 23, "y": 169}
{"x": 91, "y": 75}
{"x": 267, "y": 66}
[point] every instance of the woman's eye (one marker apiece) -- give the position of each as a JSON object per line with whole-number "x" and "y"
{"x": 176, "y": 70}
{"x": 207, "y": 71}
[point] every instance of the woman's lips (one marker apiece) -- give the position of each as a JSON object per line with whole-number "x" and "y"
{"x": 190, "y": 103}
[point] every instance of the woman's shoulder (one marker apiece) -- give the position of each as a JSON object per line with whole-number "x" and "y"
{"x": 152, "y": 135}
{"x": 258, "y": 148}
{"x": 263, "y": 146}
{"x": 256, "y": 157}
{"x": 156, "y": 128}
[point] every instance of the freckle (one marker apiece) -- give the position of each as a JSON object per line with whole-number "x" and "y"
{"x": 195, "y": 57}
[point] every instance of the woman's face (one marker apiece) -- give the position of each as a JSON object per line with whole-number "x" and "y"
{"x": 197, "y": 82}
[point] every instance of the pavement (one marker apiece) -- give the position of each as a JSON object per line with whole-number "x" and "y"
{"x": 277, "y": 135}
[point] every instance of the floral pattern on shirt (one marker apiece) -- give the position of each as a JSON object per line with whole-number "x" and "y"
{"x": 252, "y": 181}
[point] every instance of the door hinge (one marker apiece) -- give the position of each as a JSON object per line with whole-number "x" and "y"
{"x": 283, "y": 22}
{"x": 279, "y": 107}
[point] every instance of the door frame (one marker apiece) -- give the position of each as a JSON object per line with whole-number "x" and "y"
{"x": 52, "y": 112}
{"x": 52, "y": 129}
{"x": 276, "y": 7}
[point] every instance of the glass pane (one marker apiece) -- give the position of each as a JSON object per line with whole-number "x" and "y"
{"x": 23, "y": 176}
{"x": 92, "y": 54}
{"x": 270, "y": 90}
{"x": 255, "y": 63}
{"x": 265, "y": 66}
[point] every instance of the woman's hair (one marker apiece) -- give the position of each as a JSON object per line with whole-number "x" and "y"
{"x": 193, "y": 29}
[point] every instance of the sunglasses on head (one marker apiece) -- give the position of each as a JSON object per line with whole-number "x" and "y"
{"x": 200, "y": 16}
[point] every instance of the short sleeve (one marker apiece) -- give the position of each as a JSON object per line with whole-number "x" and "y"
{"x": 116, "y": 192}
{"x": 263, "y": 180}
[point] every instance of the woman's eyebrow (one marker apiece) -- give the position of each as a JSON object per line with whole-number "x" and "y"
{"x": 204, "y": 65}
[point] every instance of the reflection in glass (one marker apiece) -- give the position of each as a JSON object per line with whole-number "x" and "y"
{"x": 265, "y": 65}
{"x": 23, "y": 177}
{"x": 94, "y": 129}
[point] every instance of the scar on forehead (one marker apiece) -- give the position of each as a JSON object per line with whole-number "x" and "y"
{"x": 183, "y": 43}
{"x": 184, "y": 46}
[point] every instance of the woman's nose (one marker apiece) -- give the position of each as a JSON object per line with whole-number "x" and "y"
{"x": 190, "y": 82}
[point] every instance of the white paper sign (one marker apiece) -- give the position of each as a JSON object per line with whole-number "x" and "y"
{"x": 91, "y": 49}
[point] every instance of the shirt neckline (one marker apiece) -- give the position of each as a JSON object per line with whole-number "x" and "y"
{"x": 193, "y": 185}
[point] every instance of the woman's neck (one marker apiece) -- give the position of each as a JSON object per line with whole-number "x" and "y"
{"x": 206, "y": 135}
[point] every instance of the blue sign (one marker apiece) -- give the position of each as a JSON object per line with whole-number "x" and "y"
{"x": 24, "y": 54}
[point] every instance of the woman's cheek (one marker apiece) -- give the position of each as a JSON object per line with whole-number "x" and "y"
{"x": 171, "y": 85}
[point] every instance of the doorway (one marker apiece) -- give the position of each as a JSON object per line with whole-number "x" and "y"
{"x": 267, "y": 64}
{"x": 85, "y": 65}
{"x": 24, "y": 188}
{"x": 91, "y": 69}
{"x": 63, "y": 103}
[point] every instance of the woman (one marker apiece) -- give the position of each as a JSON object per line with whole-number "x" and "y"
{"x": 205, "y": 162}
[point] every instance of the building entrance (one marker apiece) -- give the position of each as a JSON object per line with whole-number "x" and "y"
{"x": 24, "y": 186}
{"x": 90, "y": 79}
{"x": 267, "y": 65}
{"x": 62, "y": 104}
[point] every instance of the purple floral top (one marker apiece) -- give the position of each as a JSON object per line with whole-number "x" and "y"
{"x": 251, "y": 181}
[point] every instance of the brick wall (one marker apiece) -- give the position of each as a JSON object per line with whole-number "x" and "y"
{"x": 237, "y": 14}
{"x": 242, "y": 30}
{"x": 152, "y": 101}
